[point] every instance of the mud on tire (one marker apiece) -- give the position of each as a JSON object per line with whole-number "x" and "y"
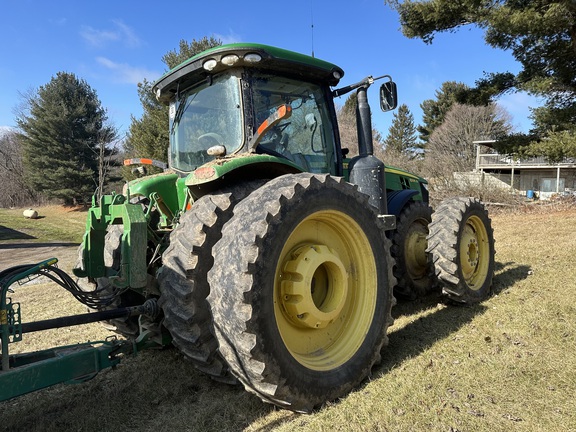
{"x": 183, "y": 283}
{"x": 301, "y": 290}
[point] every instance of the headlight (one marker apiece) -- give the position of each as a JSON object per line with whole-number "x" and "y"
{"x": 230, "y": 59}
{"x": 209, "y": 64}
{"x": 252, "y": 58}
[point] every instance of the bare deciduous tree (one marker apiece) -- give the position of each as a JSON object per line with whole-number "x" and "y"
{"x": 451, "y": 149}
{"x": 13, "y": 188}
{"x": 347, "y": 128}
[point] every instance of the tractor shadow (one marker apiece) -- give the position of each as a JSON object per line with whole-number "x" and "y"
{"x": 508, "y": 274}
{"x": 36, "y": 245}
{"x": 157, "y": 390}
{"x": 420, "y": 334}
{"x": 12, "y": 234}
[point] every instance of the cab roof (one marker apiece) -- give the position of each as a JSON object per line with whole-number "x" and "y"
{"x": 263, "y": 57}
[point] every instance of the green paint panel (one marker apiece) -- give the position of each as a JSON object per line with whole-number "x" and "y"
{"x": 35, "y": 371}
{"x": 164, "y": 185}
{"x": 272, "y": 60}
{"x": 221, "y": 167}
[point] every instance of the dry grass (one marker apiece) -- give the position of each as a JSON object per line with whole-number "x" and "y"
{"x": 507, "y": 364}
{"x": 54, "y": 223}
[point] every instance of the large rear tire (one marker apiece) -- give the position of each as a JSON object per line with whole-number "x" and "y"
{"x": 461, "y": 242}
{"x": 183, "y": 284}
{"x": 413, "y": 268}
{"x": 301, "y": 290}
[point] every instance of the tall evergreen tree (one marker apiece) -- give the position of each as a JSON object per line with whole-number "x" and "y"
{"x": 149, "y": 136}
{"x": 434, "y": 110}
{"x": 187, "y": 50}
{"x": 541, "y": 35}
{"x": 556, "y": 147}
{"x": 62, "y": 130}
{"x": 402, "y": 133}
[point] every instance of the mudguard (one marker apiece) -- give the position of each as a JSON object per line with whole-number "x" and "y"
{"x": 398, "y": 199}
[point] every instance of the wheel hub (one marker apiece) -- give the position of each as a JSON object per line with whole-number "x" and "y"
{"x": 314, "y": 286}
{"x": 473, "y": 252}
{"x": 415, "y": 252}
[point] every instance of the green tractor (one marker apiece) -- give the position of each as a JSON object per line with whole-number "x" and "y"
{"x": 274, "y": 258}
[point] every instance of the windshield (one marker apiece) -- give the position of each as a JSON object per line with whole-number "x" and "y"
{"x": 306, "y": 137}
{"x": 207, "y": 115}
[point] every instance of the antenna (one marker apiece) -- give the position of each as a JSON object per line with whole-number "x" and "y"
{"x": 312, "y": 25}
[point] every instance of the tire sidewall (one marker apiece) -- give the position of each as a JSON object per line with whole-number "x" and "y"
{"x": 322, "y": 384}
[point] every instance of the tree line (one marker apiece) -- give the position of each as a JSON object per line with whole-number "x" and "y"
{"x": 64, "y": 147}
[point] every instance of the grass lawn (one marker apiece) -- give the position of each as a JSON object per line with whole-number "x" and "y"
{"x": 507, "y": 364}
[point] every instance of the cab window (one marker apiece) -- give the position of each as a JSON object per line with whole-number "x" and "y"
{"x": 306, "y": 137}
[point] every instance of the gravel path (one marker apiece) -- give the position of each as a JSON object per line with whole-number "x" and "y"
{"x": 25, "y": 252}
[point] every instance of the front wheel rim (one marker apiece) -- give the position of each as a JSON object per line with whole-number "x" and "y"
{"x": 325, "y": 290}
{"x": 474, "y": 253}
{"x": 415, "y": 246}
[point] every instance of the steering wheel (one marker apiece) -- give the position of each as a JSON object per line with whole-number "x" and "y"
{"x": 210, "y": 139}
{"x": 276, "y": 140}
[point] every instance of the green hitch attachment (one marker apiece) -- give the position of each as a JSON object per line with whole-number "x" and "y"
{"x": 28, "y": 372}
{"x": 10, "y": 324}
{"x": 115, "y": 209}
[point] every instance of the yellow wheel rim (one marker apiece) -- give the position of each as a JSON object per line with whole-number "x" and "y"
{"x": 415, "y": 250}
{"x": 325, "y": 290}
{"x": 474, "y": 253}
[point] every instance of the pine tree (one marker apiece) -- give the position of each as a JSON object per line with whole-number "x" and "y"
{"x": 434, "y": 110}
{"x": 402, "y": 133}
{"x": 149, "y": 135}
{"x": 541, "y": 35}
{"x": 61, "y": 134}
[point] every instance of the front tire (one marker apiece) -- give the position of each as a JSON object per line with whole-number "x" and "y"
{"x": 182, "y": 279}
{"x": 413, "y": 268}
{"x": 301, "y": 290}
{"x": 461, "y": 242}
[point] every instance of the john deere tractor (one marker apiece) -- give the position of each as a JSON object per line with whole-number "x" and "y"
{"x": 273, "y": 257}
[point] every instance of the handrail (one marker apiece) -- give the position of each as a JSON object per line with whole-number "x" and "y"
{"x": 496, "y": 159}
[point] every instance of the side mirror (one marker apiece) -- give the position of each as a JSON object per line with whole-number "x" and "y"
{"x": 388, "y": 96}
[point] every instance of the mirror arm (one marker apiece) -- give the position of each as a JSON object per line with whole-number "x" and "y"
{"x": 366, "y": 82}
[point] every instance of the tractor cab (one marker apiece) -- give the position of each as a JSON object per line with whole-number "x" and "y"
{"x": 247, "y": 99}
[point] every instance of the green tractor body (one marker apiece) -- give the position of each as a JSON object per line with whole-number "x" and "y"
{"x": 220, "y": 134}
{"x": 261, "y": 234}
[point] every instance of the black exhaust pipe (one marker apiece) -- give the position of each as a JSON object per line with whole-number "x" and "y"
{"x": 366, "y": 170}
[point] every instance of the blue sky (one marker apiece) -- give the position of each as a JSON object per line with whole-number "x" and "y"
{"x": 115, "y": 45}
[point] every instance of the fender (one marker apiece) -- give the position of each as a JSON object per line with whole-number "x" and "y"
{"x": 398, "y": 199}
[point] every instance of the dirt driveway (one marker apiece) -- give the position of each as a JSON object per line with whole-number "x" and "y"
{"x": 28, "y": 252}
